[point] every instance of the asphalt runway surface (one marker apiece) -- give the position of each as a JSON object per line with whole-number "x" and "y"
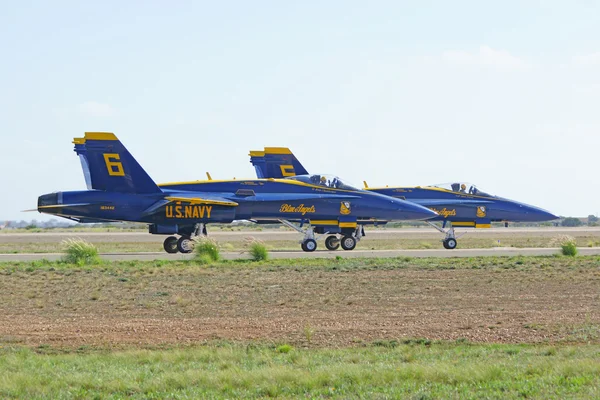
{"x": 280, "y": 234}
{"x": 285, "y": 234}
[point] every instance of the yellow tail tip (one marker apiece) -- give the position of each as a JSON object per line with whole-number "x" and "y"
{"x": 100, "y": 136}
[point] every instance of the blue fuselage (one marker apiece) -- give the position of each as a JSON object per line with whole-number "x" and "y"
{"x": 249, "y": 199}
{"x": 463, "y": 207}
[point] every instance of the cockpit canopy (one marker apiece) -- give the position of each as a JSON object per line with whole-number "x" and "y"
{"x": 462, "y": 187}
{"x": 325, "y": 180}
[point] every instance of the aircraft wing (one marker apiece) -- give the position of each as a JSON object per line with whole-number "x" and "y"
{"x": 201, "y": 198}
{"x": 449, "y": 202}
{"x": 193, "y": 198}
{"x": 299, "y": 196}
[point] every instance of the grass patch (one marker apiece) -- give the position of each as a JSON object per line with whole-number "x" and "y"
{"x": 566, "y": 243}
{"x": 441, "y": 370}
{"x": 284, "y": 348}
{"x": 492, "y": 264}
{"x": 80, "y": 252}
{"x": 257, "y": 249}
{"x": 569, "y": 249}
{"x": 206, "y": 250}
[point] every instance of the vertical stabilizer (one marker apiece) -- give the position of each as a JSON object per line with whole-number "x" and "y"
{"x": 108, "y": 166}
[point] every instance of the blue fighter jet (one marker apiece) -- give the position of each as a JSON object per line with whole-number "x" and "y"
{"x": 120, "y": 190}
{"x": 458, "y": 204}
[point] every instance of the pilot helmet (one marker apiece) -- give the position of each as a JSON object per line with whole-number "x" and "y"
{"x": 323, "y": 179}
{"x": 463, "y": 186}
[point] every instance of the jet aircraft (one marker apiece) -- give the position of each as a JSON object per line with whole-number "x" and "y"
{"x": 458, "y": 204}
{"x": 118, "y": 189}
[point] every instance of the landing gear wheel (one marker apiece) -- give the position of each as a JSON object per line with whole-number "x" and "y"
{"x": 309, "y": 245}
{"x": 332, "y": 242}
{"x": 170, "y": 245}
{"x": 348, "y": 243}
{"x": 185, "y": 245}
{"x": 450, "y": 244}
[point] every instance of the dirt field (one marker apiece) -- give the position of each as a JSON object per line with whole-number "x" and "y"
{"x": 316, "y": 302}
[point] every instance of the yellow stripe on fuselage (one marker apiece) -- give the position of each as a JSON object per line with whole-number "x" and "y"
{"x": 285, "y": 181}
{"x": 324, "y": 222}
{"x": 347, "y": 224}
{"x": 205, "y": 181}
{"x": 202, "y": 201}
{"x": 483, "y": 226}
{"x": 463, "y": 224}
{"x": 432, "y": 188}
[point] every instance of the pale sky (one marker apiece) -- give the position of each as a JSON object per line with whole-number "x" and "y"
{"x": 505, "y": 94}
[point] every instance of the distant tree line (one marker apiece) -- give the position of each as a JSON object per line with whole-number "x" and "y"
{"x": 591, "y": 220}
{"x": 571, "y": 221}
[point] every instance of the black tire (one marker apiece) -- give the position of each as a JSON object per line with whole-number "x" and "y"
{"x": 348, "y": 243}
{"x": 309, "y": 245}
{"x": 332, "y": 242}
{"x": 445, "y": 244}
{"x": 185, "y": 245}
{"x": 170, "y": 245}
{"x": 451, "y": 244}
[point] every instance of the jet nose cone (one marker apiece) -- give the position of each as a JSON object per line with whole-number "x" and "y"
{"x": 548, "y": 216}
{"x": 537, "y": 214}
{"x": 403, "y": 210}
{"x": 427, "y": 213}
{"x": 415, "y": 211}
{"x": 540, "y": 214}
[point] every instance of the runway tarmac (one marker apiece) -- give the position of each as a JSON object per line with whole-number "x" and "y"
{"x": 492, "y": 252}
{"x": 285, "y": 234}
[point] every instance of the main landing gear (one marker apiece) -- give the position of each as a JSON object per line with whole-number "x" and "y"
{"x": 332, "y": 242}
{"x": 347, "y": 241}
{"x": 449, "y": 241}
{"x": 309, "y": 242}
{"x": 170, "y": 245}
{"x": 185, "y": 243}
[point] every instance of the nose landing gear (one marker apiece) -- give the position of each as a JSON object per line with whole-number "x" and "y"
{"x": 449, "y": 241}
{"x": 308, "y": 242}
{"x": 309, "y": 245}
